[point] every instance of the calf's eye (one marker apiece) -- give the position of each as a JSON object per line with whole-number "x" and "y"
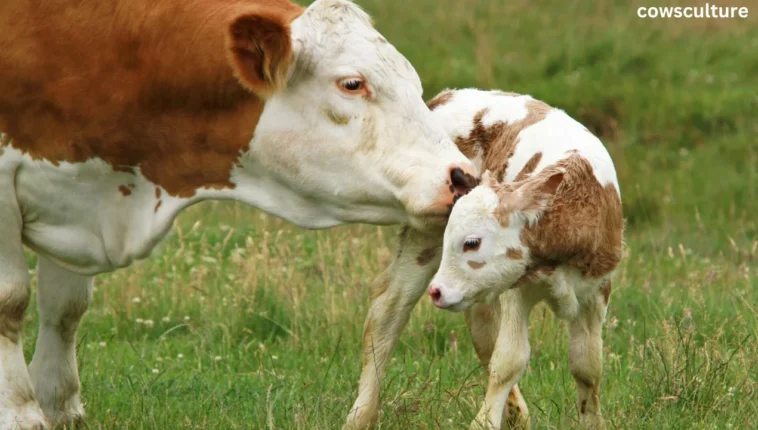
{"x": 471, "y": 244}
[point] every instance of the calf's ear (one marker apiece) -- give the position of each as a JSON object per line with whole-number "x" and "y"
{"x": 260, "y": 51}
{"x": 536, "y": 195}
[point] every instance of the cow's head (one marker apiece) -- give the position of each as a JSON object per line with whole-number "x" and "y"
{"x": 345, "y": 135}
{"x": 483, "y": 254}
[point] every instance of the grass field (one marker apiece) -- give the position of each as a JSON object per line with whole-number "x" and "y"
{"x": 240, "y": 320}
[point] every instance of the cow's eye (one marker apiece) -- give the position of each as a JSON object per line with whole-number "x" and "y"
{"x": 472, "y": 244}
{"x": 352, "y": 85}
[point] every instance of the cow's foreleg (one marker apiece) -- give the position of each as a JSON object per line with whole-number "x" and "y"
{"x": 483, "y": 321}
{"x": 586, "y": 357}
{"x": 18, "y": 408}
{"x": 509, "y": 359}
{"x": 62, "y": 299}
{"x": 393, "y": 296}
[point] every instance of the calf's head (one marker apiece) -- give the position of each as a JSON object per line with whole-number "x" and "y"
{"x": 483, "y": 254}
{"x": 344, "y": 133}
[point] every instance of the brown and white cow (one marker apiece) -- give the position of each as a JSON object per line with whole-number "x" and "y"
{"x": 116, "y": 115}
{"x": 552, "y": 230}
{"x": 549, "y": 220}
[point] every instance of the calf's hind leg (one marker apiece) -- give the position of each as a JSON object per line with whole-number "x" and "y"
{"x": 483, "y": 321}
{"x": 586, "y": 357}
{"x": 62, "y": 299}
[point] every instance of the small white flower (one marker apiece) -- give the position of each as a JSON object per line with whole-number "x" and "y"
{"x": 179, "y": 355}
{"x": 102, "y": 344}
{"x": 139, "y": 320}
{"x": 730, "y": 391}
{"x": 136, "y": 300}
{"x": 156, "y": 371}
{"x": 217, "y": 358}
{"x": 165, "y": 319}
{"x": 186, "y": 318}
{"x": 159, "y": 359}
{"x": 149, "y": 323}
{"x": 274, "y": 357}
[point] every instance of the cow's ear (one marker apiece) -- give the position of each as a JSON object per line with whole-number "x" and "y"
{"x": 260, "y": 51}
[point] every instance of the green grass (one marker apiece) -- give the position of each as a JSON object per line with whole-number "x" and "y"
{"x": 257, "y": 324}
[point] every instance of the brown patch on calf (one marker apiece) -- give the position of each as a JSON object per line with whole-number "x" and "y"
{"x": 163, "y": 78}
{"x": 475, "y": 264}
{"x": 514, "y": 254}
{"x": 440, "y": 99}
{"x": 157, "y": 193}
{"x": 12, "y": 307}
{"x": 480, "y": 137}
{"x": 499, "y": 149}
{"x": 124, "y": 190}
{"x": 583, "y": 226}
{"x": 605, "y": 290}
{"x": 529, "y": 167}
{"x": 426, "y": 256}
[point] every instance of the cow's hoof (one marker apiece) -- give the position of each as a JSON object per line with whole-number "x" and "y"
{"x": 26, "y": 417}
{"x": 70, "y": 415}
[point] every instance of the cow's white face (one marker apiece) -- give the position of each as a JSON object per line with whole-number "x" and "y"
{"x": 350, "y": 134}
{"x": 483, "y": 255}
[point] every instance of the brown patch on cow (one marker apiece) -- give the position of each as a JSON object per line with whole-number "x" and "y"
{"x": 124, "y": 190}
{"x": 13, "y": 304}
{"x": 163, "y": 78}
{"x": 157, "y": 205}
{"x": 605, "y": 290}
{"x": 475, "y": 264}
{"x": 440, "y": 99}
{"x": 583, "y": 226}
{"x": 426, "y": 256}
{"x": 157, "y": 193}
{"x": 514, "y": 254}
{"x": 529, "y": 167}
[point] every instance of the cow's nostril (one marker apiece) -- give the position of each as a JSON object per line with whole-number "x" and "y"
{"x": 462, "y": 182}
{"x": 435, "y": 293}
